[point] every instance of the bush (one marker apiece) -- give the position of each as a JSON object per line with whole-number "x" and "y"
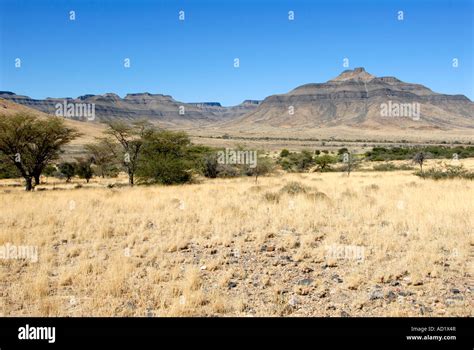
{"x": 405, "y": 153}
{"x": 324, "y": 162}
{"x": 264, "y": 166}
{"x": 272, "y": 197}
{"x": 446, "y": 171}
{"x": 84, "y": 170}
{"x": 166, "y": 158}
{"x": 68, "y": 170}
{"x": 341, "y": 151}
{"x": 227, "y": 170}
{"x": 297, "y": 161}
{"x": 210, "y": 165}
{"x": 294, "y": 188}
{"x": 284, "y": 153}
{"x": 385, "y": 167}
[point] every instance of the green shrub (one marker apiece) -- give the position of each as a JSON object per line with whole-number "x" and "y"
{"x": 446, "y": 171}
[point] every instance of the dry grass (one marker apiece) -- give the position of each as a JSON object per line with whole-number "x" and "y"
{"x": 227, "y": 247}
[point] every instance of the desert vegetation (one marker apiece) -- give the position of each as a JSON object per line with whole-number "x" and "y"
{"x": 381, "y": 244}
{"x": 146, "y": 223}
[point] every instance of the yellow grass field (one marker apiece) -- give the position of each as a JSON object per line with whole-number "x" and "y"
{"x": 372, "y": 244}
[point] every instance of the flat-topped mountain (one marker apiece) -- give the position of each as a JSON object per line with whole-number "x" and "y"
{"x": 156, "y": 107}
{"x": 357, "y": 98}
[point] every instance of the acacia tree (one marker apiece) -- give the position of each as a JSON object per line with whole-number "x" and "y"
{"x": 30, "y": 143}
{"x": 166, "y": 158}
{"x": 67, "y": 170}
{"x": 323, "y": 162}
{"x": 131, "y": 139}
{"x": 83, "y": 169}
{"x": 104, "y": 155}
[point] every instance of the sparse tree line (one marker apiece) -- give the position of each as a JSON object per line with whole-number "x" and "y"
{"x": 31, "y": 147}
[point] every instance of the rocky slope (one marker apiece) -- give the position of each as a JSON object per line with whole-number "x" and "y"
{"x": 156, "y": 107}
{"x": 358, "y": 99}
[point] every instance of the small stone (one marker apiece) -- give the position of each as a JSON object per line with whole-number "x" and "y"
{"x": 231, "y": 284}
{"x": 300, "y": 290}
{"x": 394, "y": 283}
{"x": 376, "y": 294}
{"x": 405, "y": 294}
{"x": 336, "y": 278}
{"x": 213, "y": 251}
{"x": 391, "y": 296}
{"x": 305, "y": 282}
{"x": 344, "y": 314}
{"x": 323, "y": 293}
{"x": 130, "y": 305}
{"x": 455, "y": 291}
{"x": 293, "y": 301}
{"x": 203, "y": 267}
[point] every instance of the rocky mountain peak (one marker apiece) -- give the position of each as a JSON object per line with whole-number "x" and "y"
{"x": 357, "y": 74}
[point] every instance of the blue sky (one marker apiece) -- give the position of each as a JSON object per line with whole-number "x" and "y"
{"x": 193, "y": 60}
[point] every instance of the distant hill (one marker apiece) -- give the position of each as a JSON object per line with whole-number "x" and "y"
{"x": 358, "y": 99}
{"x": 155, "y": 107}
{"x": 353, "y": 105}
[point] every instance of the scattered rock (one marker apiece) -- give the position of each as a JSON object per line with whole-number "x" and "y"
{"x": 394, "y": 283}
{"x": 305, "y": 282}
{"x": 231, "y": 284}
{"x": 391, "y": 296}
{"x": 376, "y": 294}
{"x": 336, "y": 278}
{"x": 203, "y": 267}
{"x": 323, "y": 293}
{"x": 424, "y": 310}
{"x": 213, "y": 251}
{"x": 130, "y": 305}
{"x": 269, "y": 248}
{"x": 150, "y": 225}
{"x": 300, "y": 290}
{"x": 293, "y": 301}
{"x": 455, "y": 291}
{"x": 405, "y": 293}
{"x": 344, "y": 314}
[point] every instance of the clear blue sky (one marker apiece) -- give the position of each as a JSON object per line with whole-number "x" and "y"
{"x": 193, "y": 60}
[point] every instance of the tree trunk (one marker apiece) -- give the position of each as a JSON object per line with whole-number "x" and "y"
{"x": 130, "y": 178}
{"x": 37, "y": 179}
{"x": 29, "y": 184}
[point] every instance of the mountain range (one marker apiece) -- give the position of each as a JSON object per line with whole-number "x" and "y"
{"x": 354, "y": 99}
